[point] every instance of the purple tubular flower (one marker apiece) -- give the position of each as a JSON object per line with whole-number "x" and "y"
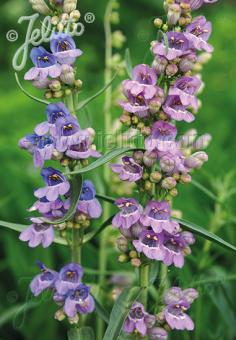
{"x": 63, "y": 48}
{"x": 56, "y": 185}
{"x": 80, "y": 301}
{"x": 162, "y": 132}
{"x": 69, "y": 278}
{"x": 43, "y": 281}
{"x": 37, "y": 234}
{"x": 196, "y": 4}
{"x": 54, "y": 112}
{"x": 137, "y": 320}
{"x": 68, "y": 133}
{"x": 186, "y": 88}
{"x": 198, "y": 32}
{"x": 45, "y": 65}
{"x": 174, "y": 247}
{"x": 157, "y": 216}
{"x": 150, "y": 243}
{"x": 42, "y": 148}
{"x": 44, "y": 206}
{"x": 82, "y": 149}
{"x": 176, "y": 110}
{"x": 177, "y": 303}
{"x": 88, "y": 203}
{"x": 144, "y": 74}
{"x": 130, "y": 170}
{"x": 130, "y": 212}
{"x": 178, "y": 45}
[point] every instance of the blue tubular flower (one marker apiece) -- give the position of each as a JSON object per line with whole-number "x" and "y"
{"x": 56, "y": 185}
{"x": 43, "y": 281}
{"x": 88, "y": 203}
{"x": 45, "y": 65}
{"x": 63, "y": 48}
{"x": 54, "y": 112}
{"x": 37, "y": 234}
{"x": 43, "y": 148}
{"x": 79, "y": 300}
{"x": 69, "y": 278}
{"x": 54, "y": 209}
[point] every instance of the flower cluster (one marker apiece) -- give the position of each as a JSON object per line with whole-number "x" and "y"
{"x": 69, "y": 292}
{"x": 156, "y": 98}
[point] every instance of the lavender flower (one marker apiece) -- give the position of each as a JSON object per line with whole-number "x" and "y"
{"x": 38, "y": 233}
{"x": 43, "y": 281}
{"x": 175, "y": 109}
{"x": 69, "y": 278}
{"x": 130, "y": 170}
{"x": 158, "y": 333}
{"x": 44, "y": 206}
{"x": 177, "y": 303}
{"x": 195, "y": 4}
{"x": 137, "y": 320}
{"x": 178, "y": 45}
{"x": 157, "y": 215}
{"x": 150, "y": 243}
{"x": 45, "y": 65}
{"x": 161, "y": 133}
{"x": 56, "y": 185}
{"x": 88, "y": 203}
{"x": 198, "y": 32}
{"x": 175, "y": 246}
{"x": 63, "y": 48}
{"x": 144, "y": 74}
{"x": 130, "y": 212}
{"x": 79, "y": 300}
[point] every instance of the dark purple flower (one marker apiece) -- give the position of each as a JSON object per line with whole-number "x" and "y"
{"x": 175, "y": 109}
{"x": 80, "y": 301}
{"x": 136, "y": 320}
{"x": 198, "y": 32}
{"x": 130, "y": 170}
{"x": 186, "y": 88}
{"x": 68, "y": 133}
{"x": 43, "y": 281}
{"x": 63, "y": 48}
{"x": 162, "y": 132}
{"x": 130, "y": 212}
{"x": 178, "y": 45}
{"x": 88, "y": 203}
{"x": 83, "y": 149}
{"x": 157, "y": 216}
{"x": 54, "y": 112}
{"x": 144, "y": 74}
{"x": 69, "y": 278}
{"x": 177, "y": 303}
{"x": 45, "y": 65}
{"x": 56, "y": 185}
{"x": 38, "y": 233}
{"x": 150, "y": 243}
{"x": 174, "y": 247}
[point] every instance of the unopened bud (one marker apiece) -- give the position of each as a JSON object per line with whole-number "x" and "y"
{"x": 154, "y": 105}
{"x": 173, "y": 15}
{"x": 67, "y": 75}
{"x": 196, "y": 160}
{"x": 123, "y": 258}
{"x": 57, "y": 156}
{"x": 146, "y": 130}
{"x": 202, "y": 142}
{"x": 40, "y": 6}
{"x": 158, "y": 22}
{"x": 69, "y": 5}
{"x": 65, "y": 162}
{"x": 118, "y": 39}
{"x": 185, "y": 178}
{"x": 59, "y": 315}
{"x": 55, "y": 20}
{"x": 60, "y": 27}
{"x": 187, "y": 63}
{"x": 74, "y": 320}
{"x": 136, "y": 262}
{"x": 168, "y": 183}
{"x": 48, "y": 95}
{"x": 159, "y": 64}
{"x": 58, "y": 94}
{"x": 55, "y": 85}
{"x": 149, "y": 158}
{"x": 115, "y": 18}
{"x": 138, "y": 156}
{"x": 165, "y": 27}
{"x": 75, "y": 15}
{"x": 122, "y": 244}
{"x": 133, "y": 254}
{"x": 173, "y": 192}
{"x": 158, "y": 333}
{"x": 78, "y": 83}
{"x": 171, "y": 70}
{"x": 155, "y": 177}
{"x": 160, "y": 317}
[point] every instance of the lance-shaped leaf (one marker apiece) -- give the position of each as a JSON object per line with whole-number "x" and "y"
{"x": 103, "y": 160}
{"x": 75, "y": 191}
{"x": 106, "y": 198}
{"x": 83, "y": 333}
{"x": 194, "y": 228}
{"x": 88, "y": 100}
{"x": 120, "y": 311}
{"x": 128, "y": 62}
{"x": 100, "y": 310}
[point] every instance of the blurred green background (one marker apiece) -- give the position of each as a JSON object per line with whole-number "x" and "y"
{"x": 215, "y": 312}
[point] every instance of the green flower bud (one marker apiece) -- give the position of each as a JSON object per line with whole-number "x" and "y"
{"x": 123, "y": 258}
{"x": 55, "y": 85}
{"x": 118, "y": 39}
{"x": 40, "y": 6}
{"x": 59, "y": 315}
{"x": 122, "y": 244}
{"x": 133, "y": 254}
{"x": 158, "y": 22}
{"x": 155, "y": 177}
{"x": 168, "y": 183}
{"x": 136, "y": 262}
{"x": 69, "y": 5}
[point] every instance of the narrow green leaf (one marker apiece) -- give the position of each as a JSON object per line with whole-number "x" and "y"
{"x": 28, "y": 94}
{"x": 106, "y": 198}
{"x": 205, "y": 190}
{"x": 103, "y": 160}
{"x": 84, "y": 333}
{"x": 75, "y": 187}
{"x": 205, "y": 234}
{"x": 128, "y": 62}
{"x": 88, "y": 100}
{"x": 154, "y": 270}
{"x": 93, "y": 234}
{"x": 120, "y": 311}
{"x": 101, "y": 311}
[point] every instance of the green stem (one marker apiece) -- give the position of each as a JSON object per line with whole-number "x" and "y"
{"x": 76, "y": 245}
{"x": 144, "y": 283}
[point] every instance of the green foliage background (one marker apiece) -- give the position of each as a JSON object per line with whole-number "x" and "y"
{"x": 215, "y": 313}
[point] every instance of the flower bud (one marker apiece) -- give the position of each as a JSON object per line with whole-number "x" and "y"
{"x": 173, "y": 15}
{"x": 203, "y": 142}
{"x": 69, "y": 5}
{"x": 155, "y": 177}
{"x": 204, "y": 58}
{"x": 122, "y": 244}
{"x": 55, "y": 20}
{"x": 133, "y": 254}
{"x": 167, "y": 164}
{"x": 68, "y": 92}
{"x": 65, "y": 162}
{"x": 138, "y": 156}
{"x": 158, "y": 22}
{"x": 159, "y": 64}
{"x": 67, "y": 76}
{"x": 78, "y": 83}
{"x": 187, "y": 63}
{"x": 160, "y": 317}
{"x": 65, "y": 17}
{"x": 58, "y": 94}
{"x": 57, "y": 156}
{"x": 136, "y": 230}
{"x": 188, "y": 138}
{"x": 60, "y": 27}
{"x": 150, "y": 320}
{"x": 48, "y": 95}
{"x": 115, "y": 18}
{"x": 185, "y": 178}
{"x": 165, "y": 27}
{"x": 146, "y": 130}
{"x": 118, "y": 39}
{"x": 149, "y": 158}
{"x": 123, "y": 258}
{"x": 136, "y": 262}
{"x": 173, "y": 192}
{"x": 171, "y": 70}
{"x": 125, "y": 119}
{"x": 59, "y": 315}
{"x": 40, "y": 6}
{"x": 55, "y": 85}
{"x": 154, "y": 105}
{"x": 74, "y": 320}
{"x": 168, "y": 183}
{"x": 41, "y": 83}
{"x": 75, "y": 15}
{"x": 148, "y": 186}
{"x": 176, "y": 213}
{"x": 196, "y": 160}
{"x": 158, "y": 333}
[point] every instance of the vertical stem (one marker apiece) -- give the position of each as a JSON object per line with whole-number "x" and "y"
{"x": 144, "y": 282}
{"x": 76, "y": 245}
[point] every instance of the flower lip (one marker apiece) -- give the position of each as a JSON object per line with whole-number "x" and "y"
{"x": 67, "y": 126}
{"x": 158, "y": 210}
{"x": 128, "y": 206}
{"x": 42, "y": 58}
{"x": 52, "y": 176}
{"x": 144, "y": 75}
{"x": 164, "y": 131}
